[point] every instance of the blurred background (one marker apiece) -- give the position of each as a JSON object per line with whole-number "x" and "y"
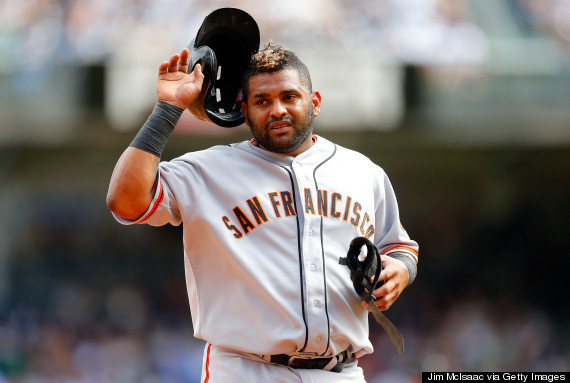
{"x": 464, "y": 103}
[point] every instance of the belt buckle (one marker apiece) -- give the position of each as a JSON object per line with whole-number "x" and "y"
{"x": 292, "y": 359}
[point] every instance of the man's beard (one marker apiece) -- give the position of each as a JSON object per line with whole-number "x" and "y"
{"x": 301, "y": 131}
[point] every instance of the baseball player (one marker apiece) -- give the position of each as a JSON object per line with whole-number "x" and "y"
{"x": 265, "y": 222}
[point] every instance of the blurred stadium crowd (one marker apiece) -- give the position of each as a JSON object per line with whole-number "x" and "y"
{"x": 116, "y": 312}
{"x": 40, "y": 33}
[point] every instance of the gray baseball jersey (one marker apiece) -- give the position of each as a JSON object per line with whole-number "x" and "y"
{"x": 263, "y": 234}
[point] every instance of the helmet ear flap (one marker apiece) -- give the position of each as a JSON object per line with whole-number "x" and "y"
{"x": 206, "y": 57}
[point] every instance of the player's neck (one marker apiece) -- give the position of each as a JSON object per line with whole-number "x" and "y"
{"x": 301, "y": 149}
{"x": 306, "y": 145}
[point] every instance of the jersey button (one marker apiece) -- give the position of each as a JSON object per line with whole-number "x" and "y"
{"x": 310, "y": 232}
{"x": 312, "y": 267}
{"x": 317, "y": 339}
{"x": 316, "y": 303}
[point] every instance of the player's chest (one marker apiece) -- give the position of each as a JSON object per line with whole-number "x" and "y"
{"x": 262, "y": 202}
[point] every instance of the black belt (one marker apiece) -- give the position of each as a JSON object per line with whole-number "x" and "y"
{"x": 296, "y": 361}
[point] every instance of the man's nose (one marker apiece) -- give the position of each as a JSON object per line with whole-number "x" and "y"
{"x": 278, "y": 110}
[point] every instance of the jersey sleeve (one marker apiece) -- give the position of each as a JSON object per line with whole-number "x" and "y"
{"x": 178, "y": 183}
{"x": 391, "y": 236}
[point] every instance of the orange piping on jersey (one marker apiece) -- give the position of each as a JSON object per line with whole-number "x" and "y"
{"x": 403, "y": 247}
{"x": 207, "y": 364}
{"x": 155, "y": 206}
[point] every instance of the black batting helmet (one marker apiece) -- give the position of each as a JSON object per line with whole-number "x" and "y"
{"x": 223, "y": 47}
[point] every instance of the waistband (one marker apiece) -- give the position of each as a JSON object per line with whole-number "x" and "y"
{"x": 333, "y": 363}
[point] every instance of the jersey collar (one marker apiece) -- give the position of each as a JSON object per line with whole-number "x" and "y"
{"x": 322, "y": 148}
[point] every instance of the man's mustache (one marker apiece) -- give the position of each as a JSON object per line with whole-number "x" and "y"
{"x": 290, "y": 119}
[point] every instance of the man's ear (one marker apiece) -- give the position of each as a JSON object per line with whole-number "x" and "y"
{"x": 244, "y": 111}
{"x": 316, "y": 99}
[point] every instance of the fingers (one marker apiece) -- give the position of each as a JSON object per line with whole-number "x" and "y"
{"x": 183, "y": 64}
{"x": 163, "y": 68}
{"x": 394, "y": 278}
{"x": 383, "y": 302}
{"x": 198, "y": 72}
{"x": 173, "y": 67}
{"x": 385, "y": 297}
{"x": 177, "y": 63}
{"x": 169, "y": 66}
{"x": 386, "y": 274}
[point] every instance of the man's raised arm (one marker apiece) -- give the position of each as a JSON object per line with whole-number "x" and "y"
{"x": 132, "y": 184}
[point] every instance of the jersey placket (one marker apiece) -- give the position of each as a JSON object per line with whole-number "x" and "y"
{"x": 312, "y": 265}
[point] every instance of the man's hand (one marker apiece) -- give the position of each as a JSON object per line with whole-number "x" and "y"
{"x": 175, "y": 85}
{"x": 395, "y": 276}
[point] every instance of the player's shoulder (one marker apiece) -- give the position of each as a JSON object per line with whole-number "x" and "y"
{"x": 353, "y": 156}
{"x": 210, "y": 153}
{"x": 352, "y": 153}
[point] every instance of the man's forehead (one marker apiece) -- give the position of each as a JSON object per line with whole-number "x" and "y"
{"x": 276, "y": 81}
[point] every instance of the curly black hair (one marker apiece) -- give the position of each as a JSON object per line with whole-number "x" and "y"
{"x": 274, "y": 58}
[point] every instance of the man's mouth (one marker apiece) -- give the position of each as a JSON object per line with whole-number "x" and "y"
{"x": 279, "y": 126}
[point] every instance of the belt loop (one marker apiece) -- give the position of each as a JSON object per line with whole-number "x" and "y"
{"x": 334, "y": 361}
{"x": 266, "y": 358}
